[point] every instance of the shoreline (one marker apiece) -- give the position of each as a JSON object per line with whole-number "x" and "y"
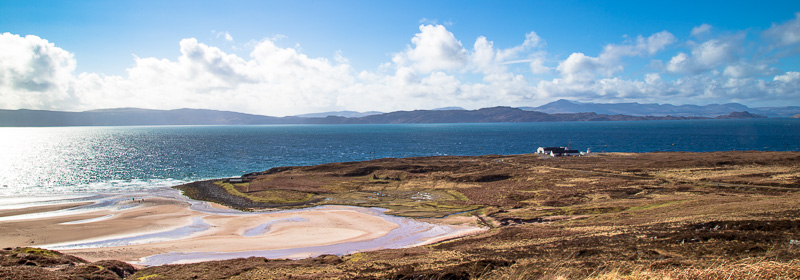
{"x": 163, "y": 228}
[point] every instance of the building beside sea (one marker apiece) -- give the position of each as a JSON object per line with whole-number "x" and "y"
{"x": 558, "y": 151}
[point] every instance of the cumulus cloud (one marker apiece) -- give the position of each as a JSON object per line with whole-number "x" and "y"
{"x": 718, "y": 70}
{"x": 435, "y": 48}
{"x": 273, "y": 80}
{"x": 34, "y": 73}
{"x": 434, "y": 70}
{"x": 708, "y": 55}
{"x": 486, "y": 59}
{"x": 714, "y": 53}
{"x": 579, "y": 67}
{"x": 537, "y": 66}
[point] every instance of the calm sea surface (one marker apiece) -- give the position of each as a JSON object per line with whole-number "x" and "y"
{"x": 67, "y": 160}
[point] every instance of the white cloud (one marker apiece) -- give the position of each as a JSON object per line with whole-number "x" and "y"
{"x": 747, "y": 70}
{"x": 709, "y": 55}
{"x": 531, "y": 40}
{"x": 789, "y": 77}
{"x": 785, "y": 34}
{"x": 678, "y": 63}
{"x": 579, "y": 67}
{"x": 713, "y": 53}
{"x": 483, "y": 56}
{"x": 642, "y": 46}
{"x": 701, "y": 30}
{"x": 653, "y": 78}
{"x": 786, "y": 87}
{"x": 537, "y": 66}
{"x": 34, "y": 73}
{"x": 225, "y": 35}
{"x": 434, "y": 49}
{"x": 486, "y": 59}
{"x": 273, "y": 80}
{"x": 435, "y": 70}
{"x": 718, "y": 70}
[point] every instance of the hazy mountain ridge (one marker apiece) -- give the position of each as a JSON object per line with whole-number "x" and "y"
{"x": 135, "y": 116}
{"x": 487, "y": 115}
{"x": 652, "y": 109}
{"x": 131, "y": 116}
{"x": 345, "y": 114}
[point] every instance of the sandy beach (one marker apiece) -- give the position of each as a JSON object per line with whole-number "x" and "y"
{"x": 158, "y": 229}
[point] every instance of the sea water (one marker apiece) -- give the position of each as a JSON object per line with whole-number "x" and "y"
{"x": 59, "y": 161}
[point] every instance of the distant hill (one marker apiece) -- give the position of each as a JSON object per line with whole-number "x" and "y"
{"x": 494, "y": 114}
{"x": 131, "y": 116}
{"x": 345, "y": 114}
{"x": 134, "y": 116}
{"x": 741, "y": 115}
{"x": 448, "y": 109}
{"x": 636, "y": 109}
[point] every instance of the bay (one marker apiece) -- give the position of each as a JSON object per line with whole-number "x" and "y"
{"x": 69, "y": 160}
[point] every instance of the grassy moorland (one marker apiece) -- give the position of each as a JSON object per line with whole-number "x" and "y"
{"x": 723, "y": 215}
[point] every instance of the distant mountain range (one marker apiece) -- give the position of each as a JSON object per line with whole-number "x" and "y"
{"x": 134, "y": 116}
{"x": 354, "y": 114}
{"x": 485, "y": 115}
{"x": 636, "y": 109}
{"x": 449, "y": 109}
{"x": 345, "y": 114}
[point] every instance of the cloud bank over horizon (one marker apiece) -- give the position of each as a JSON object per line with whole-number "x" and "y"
{"x": 435, "y": 69}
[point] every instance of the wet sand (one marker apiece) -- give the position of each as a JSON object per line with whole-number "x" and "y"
{"x": 155, "y": 229}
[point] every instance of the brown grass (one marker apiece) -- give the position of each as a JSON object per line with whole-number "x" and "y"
{"x": 745, "y": 269}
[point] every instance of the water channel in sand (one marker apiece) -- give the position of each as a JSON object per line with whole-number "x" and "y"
{"x": 164, "y": 227}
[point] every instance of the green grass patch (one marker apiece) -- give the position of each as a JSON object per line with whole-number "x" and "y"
{"x": 268, "y": 196}
{"x": 420, "y": 203}
{"x": 456, "y": 194}
{"x": 426, "y": 210}
{"x": 356, "y": 257}
{"x": 38, "y": 251}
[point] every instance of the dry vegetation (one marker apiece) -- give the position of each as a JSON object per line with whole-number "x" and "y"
{"x": 726, "y": 215}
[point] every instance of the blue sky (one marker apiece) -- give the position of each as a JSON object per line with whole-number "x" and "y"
{"x": 292, "y": 57}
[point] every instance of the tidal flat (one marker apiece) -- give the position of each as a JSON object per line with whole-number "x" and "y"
{"x": 163, "y": 227}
